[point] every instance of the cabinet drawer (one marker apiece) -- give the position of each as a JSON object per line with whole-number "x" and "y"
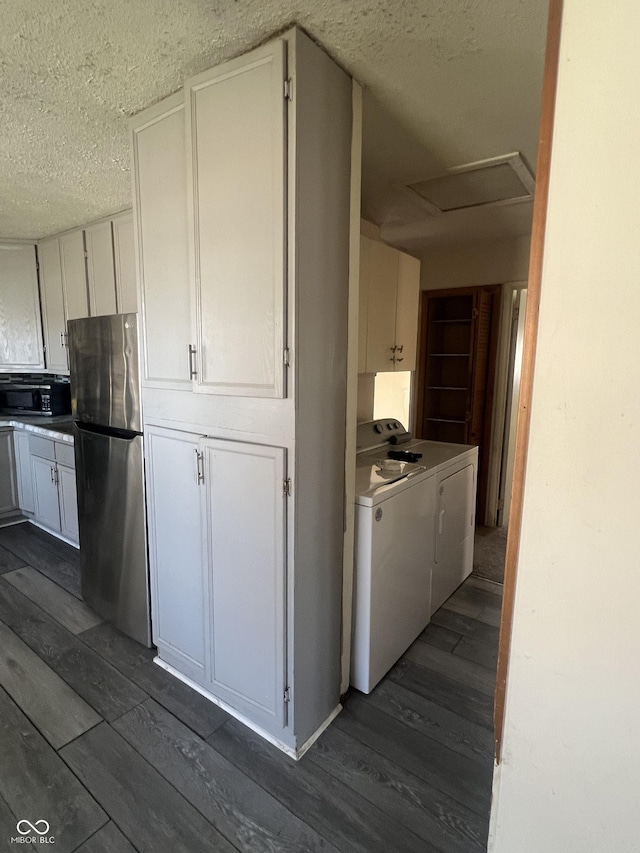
{"x": 44, "y": 447}
{"x": 65, "y": 454}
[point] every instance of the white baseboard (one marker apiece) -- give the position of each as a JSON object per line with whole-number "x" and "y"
{"x": 292, "y": 752}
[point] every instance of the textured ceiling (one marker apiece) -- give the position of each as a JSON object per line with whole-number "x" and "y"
{"x": 446, "y": 83}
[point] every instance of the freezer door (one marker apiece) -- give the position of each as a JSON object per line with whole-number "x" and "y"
{"x": 103, "y": 361}
{"x": 113, "y": 553}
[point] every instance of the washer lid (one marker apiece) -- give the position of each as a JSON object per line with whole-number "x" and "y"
{"x": 373, "y": 484}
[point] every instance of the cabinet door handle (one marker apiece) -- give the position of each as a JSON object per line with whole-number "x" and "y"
{"x": 192, "y": 368}
{"x": 52, "y": 474}
{"x": 199, "y": 467}
{"x": 400, "y": 348}
{"x": 399, "y": 359}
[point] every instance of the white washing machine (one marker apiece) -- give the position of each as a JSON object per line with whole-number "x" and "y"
{"x": 395, "y": 508}
{"x": 414, "y": 540}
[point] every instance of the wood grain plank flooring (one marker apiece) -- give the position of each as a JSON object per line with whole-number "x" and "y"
{"x": 146, "y": 808}
{"x": 9, "y": 561}
{"x": 465, "y": 780}
{"x": 433, "y": 815}
{"x": 434, "y": 721}
{"x": 22, "y": 542}
{"x": 453, "y": 695}
{"x": 442, "y": 638}
{"x": 36, "y": 784}
{"x": 94, "y": 679}
{"x": 73, "y": 614}
{"x": 465, "y": 671}
{"x": 136, "y": 662}
{"x": 238, "y": 807}
{"x": 406, "y": 769}
{"x": 47, "y": 700}
{"x": 108, "y": 839}
{"x": 333, "y": 809}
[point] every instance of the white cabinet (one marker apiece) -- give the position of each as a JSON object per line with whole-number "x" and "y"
{"x": 217, "y": 554}
{"x": 236, "y": 165}
{"x": 45, "y": 488}
{"x": 245, "y": 556}
{"x": 53, "y": 312}
{"x": 101, "y": 277}
{"x": 68, "y": 501}
{"x": 20, "y": 324}
{"x": 389, "y": 295}
{"x": 244, "y": 256}
{"x": 160, "y": 210}
{"x": 74, "y": 274}
{"x": 54, "y": 487}
{"x": 8, "y": 491}
{"x": 125, "y": 263}
{"x": 179, "y": 582}
{"x": 23, "y": 471}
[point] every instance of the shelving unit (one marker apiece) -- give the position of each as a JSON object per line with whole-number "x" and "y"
{"x": 455, "y": 371}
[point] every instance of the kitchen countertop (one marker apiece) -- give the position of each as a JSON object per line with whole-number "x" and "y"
{"x": 59, "y": 428}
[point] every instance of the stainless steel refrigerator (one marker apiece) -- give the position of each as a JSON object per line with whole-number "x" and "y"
{"x": 105, "y": 400}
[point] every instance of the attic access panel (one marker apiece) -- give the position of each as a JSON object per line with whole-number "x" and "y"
{"x": 500, "y": 180}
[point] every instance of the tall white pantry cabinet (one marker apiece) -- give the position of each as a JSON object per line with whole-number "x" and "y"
{"x": 241, "y": 205}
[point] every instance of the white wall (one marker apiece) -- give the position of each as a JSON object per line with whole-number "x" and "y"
{"x": 474, "y": 263}
{"x": 570, "y": 780}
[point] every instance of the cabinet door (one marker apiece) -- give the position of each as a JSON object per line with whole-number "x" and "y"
{"x": 74, "y": 275}
{"x": 236, "y": 160}
{"x": 162, "y": 243}
{"x": 408, "y": 295}
{"x": 363, "y": 302}
{"x": 20, "y": 325}
{"x": 125, "y": 263}
{"x": 179, "y": 583}
{"x": 68, "y": 502}
{"x": 100, "y": 272}
{"x": 45, "y": 488}
{"x": 23, "y": 471}
{"x": 245, "y": 517}
{"x": 8, "y": 491}
{"x": 53, "y": 305}
{"x": 381, "y": 314}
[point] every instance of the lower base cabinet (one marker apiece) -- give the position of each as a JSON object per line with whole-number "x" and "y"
{"x": 55, "y": 503}
{"x": 8, "y": 490}
{"x": 23, "y": 471}
{"x": 217, "y": 525}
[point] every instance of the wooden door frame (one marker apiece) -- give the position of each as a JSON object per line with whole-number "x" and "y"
{"x": 547, "y": 114}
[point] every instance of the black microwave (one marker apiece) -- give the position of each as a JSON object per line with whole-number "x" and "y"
{"x": 43, "y": 398}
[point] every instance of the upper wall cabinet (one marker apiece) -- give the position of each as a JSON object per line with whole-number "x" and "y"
{"x": 20, "y": 325}
{"x": 74, "y": 274}
{"x": 100, "y": 270}
{"x": 236, "y": 155}
{"x": 85, "y": 272}
{"x": 160, "y": 205}
{"x": 125, "y": 263}
{"x": 389, "y": 292}
{"x": 52, "y": 300}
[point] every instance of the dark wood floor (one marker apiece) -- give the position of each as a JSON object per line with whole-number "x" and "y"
{"x": 117, "y": 755}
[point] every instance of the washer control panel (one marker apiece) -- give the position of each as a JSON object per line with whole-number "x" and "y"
{"x": 378, "y": 433}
